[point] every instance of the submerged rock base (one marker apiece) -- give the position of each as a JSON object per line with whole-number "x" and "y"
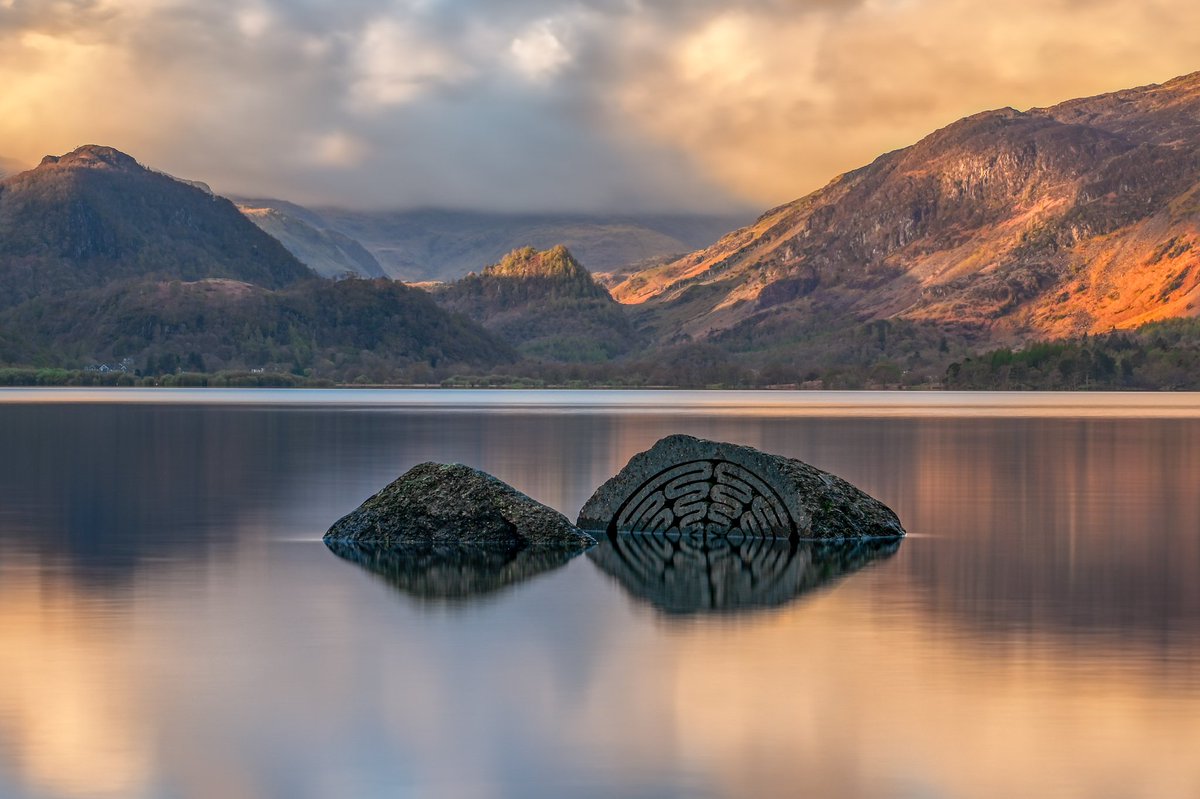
{"x": 689, "y": 486}
{"x": 452, "y": 572}
{"x": 693, "y": 575}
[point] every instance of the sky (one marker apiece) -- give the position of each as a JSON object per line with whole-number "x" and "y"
{"x": 532, "y": 105}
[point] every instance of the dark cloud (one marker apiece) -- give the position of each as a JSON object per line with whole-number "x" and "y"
{"x": 49, "y": 15}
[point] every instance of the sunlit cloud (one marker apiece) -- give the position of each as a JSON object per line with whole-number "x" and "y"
{"x": 779, "y": 103}
{"x": 539, "y": 54}
{"x": 396, "y": 64}
{"x": 254, "y": 21}
{"x": 339, "y": 149}
{"x": 593, "y": 105}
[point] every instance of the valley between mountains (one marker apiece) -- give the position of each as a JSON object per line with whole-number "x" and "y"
{"x": 1050, "y": 248}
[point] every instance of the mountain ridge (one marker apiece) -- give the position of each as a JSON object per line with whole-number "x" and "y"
{"x": 1006, "y": 224}
{"x": 96, "y": 215}
{"x": 431, "y": 244}
{"x": 104, "y": 261}
{"x": 327, "y": 252}
{"x": 995, "y": 232}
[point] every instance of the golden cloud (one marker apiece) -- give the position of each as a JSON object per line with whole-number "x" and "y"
{"x": 659, "y": 103}
{"x": 776, "y": 104}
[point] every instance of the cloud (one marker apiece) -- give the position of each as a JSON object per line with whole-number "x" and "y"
{"x": 338, "y": 149}
{"x": 536, "y": 104}
{"x": 395, "y": 64}
{"x": 778, "y": 103}
{"x": 254, "y": 21}
{"x": 539, "y": 53}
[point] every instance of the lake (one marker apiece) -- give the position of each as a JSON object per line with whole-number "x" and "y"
{"x": 171, "y": 624}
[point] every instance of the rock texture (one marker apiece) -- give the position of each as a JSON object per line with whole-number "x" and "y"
{"x": 687, "y": 486}
{"x": 437, "y": 503}
{"x": 1054, "y": 221}
{"x": 688, "y": 575}
{"x": 546, "y": 304}
{"x": 452, "y": 572}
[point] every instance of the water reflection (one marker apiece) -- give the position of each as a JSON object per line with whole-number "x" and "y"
{"x": 698, "y": 574}
{"x": 163, "y": 634}
{"x": 452, "y": 572}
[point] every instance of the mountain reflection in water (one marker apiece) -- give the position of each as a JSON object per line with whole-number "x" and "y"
{"x": 451, "y": 571}
{"x": 695, "y": 575}
{"x": 172, "y": 626}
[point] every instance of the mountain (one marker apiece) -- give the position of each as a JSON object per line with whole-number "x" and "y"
{"x": 1006, "y": 225}
{"x": 546, "y": 304}
{"x": 96, "y": 215}
{"x": 425, "y": 245}
{"x": 103, "y": 261}
{"x": 327, "y": 252}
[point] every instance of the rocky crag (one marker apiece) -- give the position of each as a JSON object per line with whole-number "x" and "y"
{"x": 1006, "y": 225}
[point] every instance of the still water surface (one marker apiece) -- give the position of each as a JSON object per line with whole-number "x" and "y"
{"x": 172, "y": 626}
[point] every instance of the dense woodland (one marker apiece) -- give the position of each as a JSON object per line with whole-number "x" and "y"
{"x": 890, "y": 354}
{"x": 95, "y": 217}
{"x": 378, "y": 332}
{"x": 547, "y": 305}
{"x": 346, "y": 331}
{"x": 108, "y": 266}
{"x": 1157, "y": 356}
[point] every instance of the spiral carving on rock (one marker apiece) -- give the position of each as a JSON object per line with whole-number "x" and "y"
{"x": 705, "y": 497}
{"x": 686, "y": 486}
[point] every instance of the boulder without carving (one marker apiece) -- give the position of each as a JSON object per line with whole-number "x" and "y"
{"x": 689, "y": 486}
{"x": 450, "y": 503}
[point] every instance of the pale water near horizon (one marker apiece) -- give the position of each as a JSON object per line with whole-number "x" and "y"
{"x": 172, "y": 626}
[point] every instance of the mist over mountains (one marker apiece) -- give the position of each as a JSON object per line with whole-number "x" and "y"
{"x": 107, "y": 264}
{"x": 327, "y": 252}
{"x": 1001, "y": 230}
{"x": 438, "y": 245}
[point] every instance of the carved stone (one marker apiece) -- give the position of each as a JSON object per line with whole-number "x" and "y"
{"x": 688, "y": 486}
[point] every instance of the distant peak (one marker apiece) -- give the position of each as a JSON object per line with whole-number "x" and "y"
{"x": 987, "y": 118}
{"x": 1188, "y": 81}
{"x": 1007, "y": 112}
{"x": 94, "y": 156}
{"x": 529, "y": 262}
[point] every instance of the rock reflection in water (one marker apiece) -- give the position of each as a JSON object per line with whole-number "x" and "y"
{"x": 452, "y": 572}
{"x": 697, "y": 575}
